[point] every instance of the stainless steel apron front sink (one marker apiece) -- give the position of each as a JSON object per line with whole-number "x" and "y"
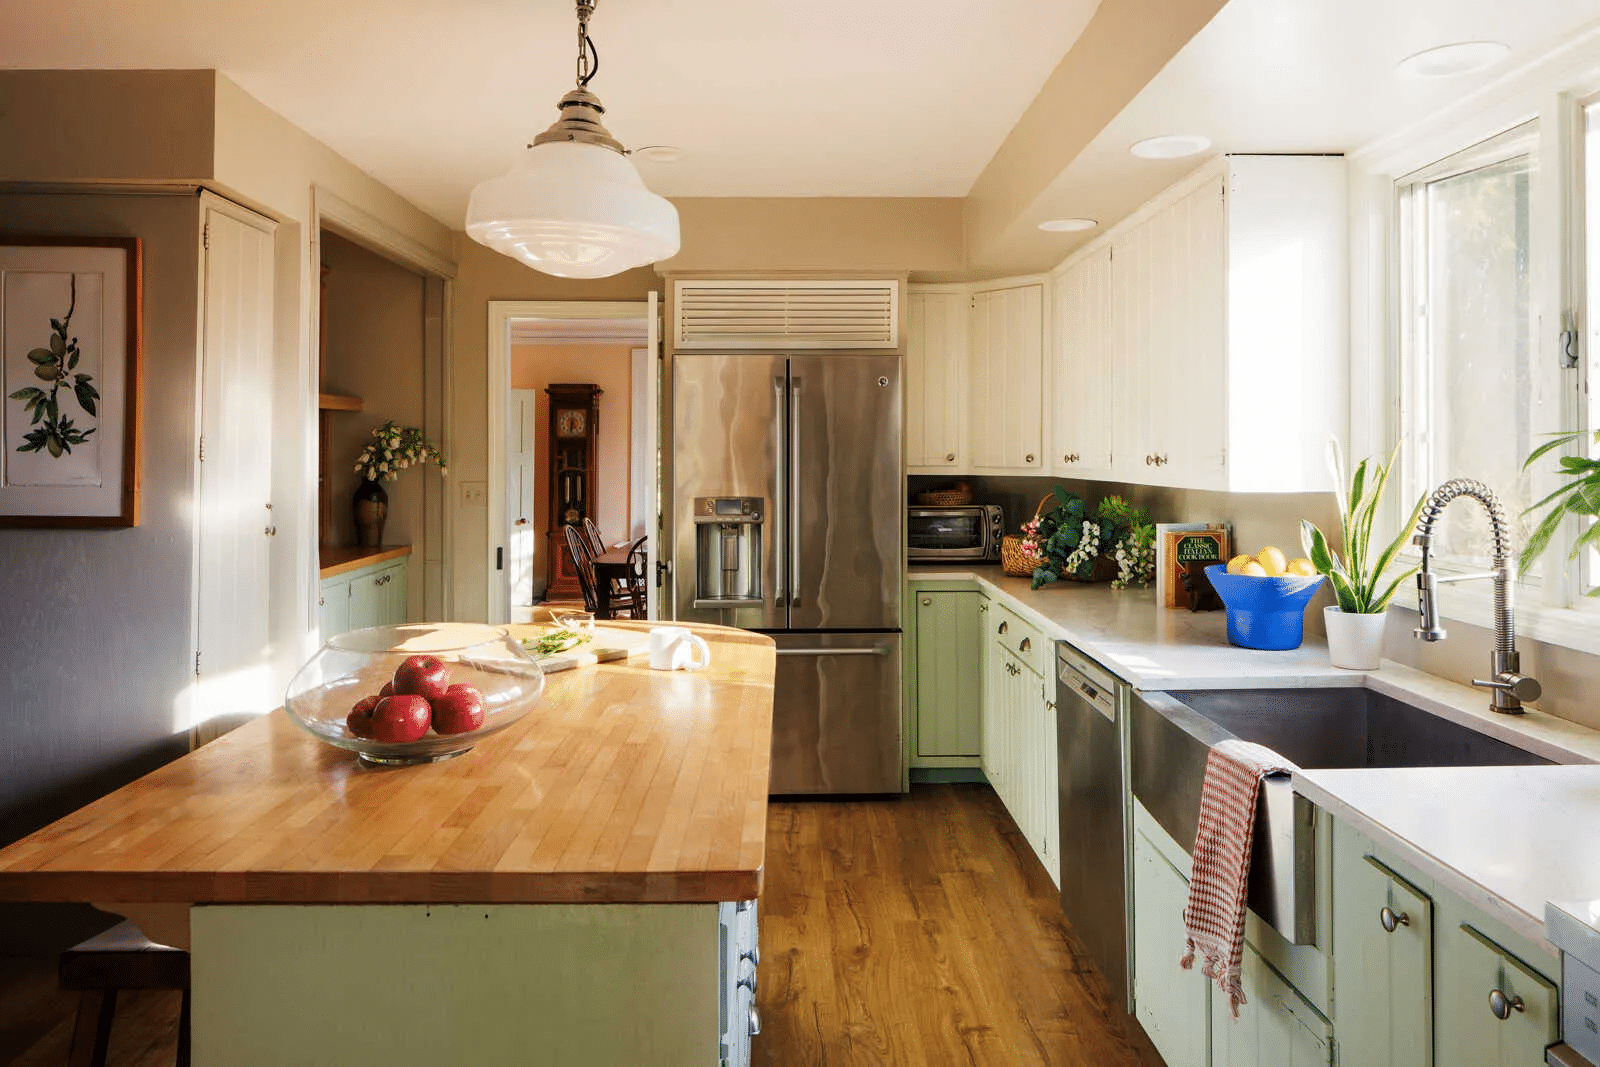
{"x": 1346, "y": 727}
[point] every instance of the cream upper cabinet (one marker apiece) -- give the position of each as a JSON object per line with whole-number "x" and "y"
{"x": 1228, "y": 322}
{"x": 936, "y": 379}
{"x": 1007, "y": 338}
{"x": 1082, "y": 368}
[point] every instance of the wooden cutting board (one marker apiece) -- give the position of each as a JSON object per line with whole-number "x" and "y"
{"x": 607, "y": 646}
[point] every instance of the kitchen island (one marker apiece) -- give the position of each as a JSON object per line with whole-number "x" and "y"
{"x": 574, "y": 890}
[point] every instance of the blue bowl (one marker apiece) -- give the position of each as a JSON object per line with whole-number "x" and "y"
{"x": 1264, "y": 613}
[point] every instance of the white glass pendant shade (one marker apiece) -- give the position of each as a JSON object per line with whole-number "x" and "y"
{"x": 574, "y": 210}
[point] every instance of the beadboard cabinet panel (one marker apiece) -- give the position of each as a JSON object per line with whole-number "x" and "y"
{"x": 1007, "y": 377}
{"x": 949, "y": 674}
{"x": 1083, "y": 368}
{"x": 936, "y": 379}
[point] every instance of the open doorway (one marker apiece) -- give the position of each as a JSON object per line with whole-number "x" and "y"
{"x": 595, "y": 366}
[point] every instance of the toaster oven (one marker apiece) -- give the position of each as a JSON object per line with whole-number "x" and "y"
{"x": 969, "y": 532}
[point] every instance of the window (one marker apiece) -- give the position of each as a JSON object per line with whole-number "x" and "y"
{"x": 1475, "y": 393}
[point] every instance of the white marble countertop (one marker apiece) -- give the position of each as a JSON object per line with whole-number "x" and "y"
{"x": 1506, "y": 839}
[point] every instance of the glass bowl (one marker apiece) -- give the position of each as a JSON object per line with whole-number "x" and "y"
{"x": 357, "y": 664}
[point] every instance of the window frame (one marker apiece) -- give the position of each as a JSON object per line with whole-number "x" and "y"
{"x": 1553, "y": 92}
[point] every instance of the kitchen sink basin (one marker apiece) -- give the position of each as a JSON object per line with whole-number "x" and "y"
{"x": 1336, "y": 727}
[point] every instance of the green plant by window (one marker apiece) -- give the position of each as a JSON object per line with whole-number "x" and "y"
{"x": 1578, "y": 496}
{"x": 1356, "y": 578}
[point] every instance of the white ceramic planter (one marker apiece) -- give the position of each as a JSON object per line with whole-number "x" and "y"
{"x": 1355, "y": 642}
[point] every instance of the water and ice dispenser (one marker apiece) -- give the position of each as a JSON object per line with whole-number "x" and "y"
{"x": 727, "y": 551}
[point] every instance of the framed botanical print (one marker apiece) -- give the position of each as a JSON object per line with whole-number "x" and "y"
{"x": 70, "y": 356}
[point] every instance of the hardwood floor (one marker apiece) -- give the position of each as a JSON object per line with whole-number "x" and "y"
{"x": 918, "y": 932}
{"x": 923, "y": 932}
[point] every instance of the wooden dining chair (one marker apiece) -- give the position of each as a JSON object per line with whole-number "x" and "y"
{"x": 638, "y": 580}
{"x": 597, "y": 543}
{"x": 583, "y": 563}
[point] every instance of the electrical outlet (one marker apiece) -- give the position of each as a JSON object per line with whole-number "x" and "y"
{"x": 475, "y": 493}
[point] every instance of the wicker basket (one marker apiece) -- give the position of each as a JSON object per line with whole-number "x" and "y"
{"x": 1017, "y": 565}
{"x": 945, "y": 498}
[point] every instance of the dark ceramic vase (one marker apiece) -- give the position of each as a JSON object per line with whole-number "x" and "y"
{"x": 371, "y": 507}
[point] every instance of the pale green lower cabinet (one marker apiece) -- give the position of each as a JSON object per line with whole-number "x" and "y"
{"x": 1383, "y": 949}
{"x": 1276, "y": 1026}
{"x": 372, "y": 596}
{"x": 1172, "y": 1004}
{"x": 949, "y": 694}
{"x": 1423, "y": 992}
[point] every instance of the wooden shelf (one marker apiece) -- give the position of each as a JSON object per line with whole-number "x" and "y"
{"x": 338, "y": 402}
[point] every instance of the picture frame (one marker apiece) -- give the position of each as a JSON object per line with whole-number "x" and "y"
{"x": 71, "y": 362}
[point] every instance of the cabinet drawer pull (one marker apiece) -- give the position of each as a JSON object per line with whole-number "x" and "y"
{"x": 1390, "y": 919}
{"x": 1502, "y": 1006}
{"x": 1070, "y": 457}
{"x": 1028, "y": 458}
{"x": 1026, "y": 645}
{"x": 1004, "y": 626}
{"x": 949, "y": 457}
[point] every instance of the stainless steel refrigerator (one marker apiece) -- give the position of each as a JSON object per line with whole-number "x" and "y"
{"x": 788, "y": 507}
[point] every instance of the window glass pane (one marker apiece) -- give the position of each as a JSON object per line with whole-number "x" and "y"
{"x": 1485, "y": 398}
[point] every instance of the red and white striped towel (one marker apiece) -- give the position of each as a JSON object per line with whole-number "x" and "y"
{"x": 1214, "y": 916}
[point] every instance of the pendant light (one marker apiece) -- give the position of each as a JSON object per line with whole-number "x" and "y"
{"x": 574, "y": 205}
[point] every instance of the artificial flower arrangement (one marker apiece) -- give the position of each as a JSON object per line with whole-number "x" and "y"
{"x": 1067, "y": 541}
{"x": 393, "y": 449}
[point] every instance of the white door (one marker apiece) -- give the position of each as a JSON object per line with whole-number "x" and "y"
{"x": 519, "y": 493}
{"x": 652, "y": 436}
{"x": 233, "y": 467}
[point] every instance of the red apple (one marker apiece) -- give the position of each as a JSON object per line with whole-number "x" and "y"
{"x": 359, "y": 721}
{"x": 422, "y": 676}
{"x": 459, "y": 711}
{"x": 402, "y": 717}
{"x": 386, "y": 691}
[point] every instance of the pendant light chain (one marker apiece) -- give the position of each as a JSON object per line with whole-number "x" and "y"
{"x": 588, "y": 54}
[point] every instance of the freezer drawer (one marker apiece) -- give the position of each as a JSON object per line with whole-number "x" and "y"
{"x": 836, "y": 714}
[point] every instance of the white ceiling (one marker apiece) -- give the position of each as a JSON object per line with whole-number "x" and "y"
{"x": 766, "y": 97}
{"x": 1285, "y": 76}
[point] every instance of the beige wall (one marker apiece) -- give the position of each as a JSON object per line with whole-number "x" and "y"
{"x": 921, "y": 235}
{"x": 486, "y": 275}
{"x": 374, "y": 329}
{"x": 611, "y": 368}
{"x": 106, "y": 125}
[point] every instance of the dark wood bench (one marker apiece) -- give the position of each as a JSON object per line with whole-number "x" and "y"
{"x": 121, "y": 958}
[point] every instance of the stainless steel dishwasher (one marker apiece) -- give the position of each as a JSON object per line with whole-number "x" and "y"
{"x": 1092, "y": 767}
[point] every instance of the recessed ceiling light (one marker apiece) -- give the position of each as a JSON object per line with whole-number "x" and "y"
{"x": 1170, "y": 146}
{"x": 1067, "y": 225}
{"x": 1448, "y": 60}
{"x": 659, "y": 153}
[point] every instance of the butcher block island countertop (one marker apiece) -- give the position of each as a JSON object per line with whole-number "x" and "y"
{"x": 623, "y": 785}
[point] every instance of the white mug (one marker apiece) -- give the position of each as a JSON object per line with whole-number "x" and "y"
{"x": 672, "y": 648}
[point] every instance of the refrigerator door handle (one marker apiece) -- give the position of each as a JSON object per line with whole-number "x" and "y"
{"x": 779, "y": 545}
{"x": 880, "y": 650}
{"x": 794, "y": 482}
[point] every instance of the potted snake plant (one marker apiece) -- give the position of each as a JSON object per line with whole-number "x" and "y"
{"x": 1355, "y": 623}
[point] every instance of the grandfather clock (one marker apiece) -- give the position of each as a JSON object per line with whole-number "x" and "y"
{"x": 574, "y": 424}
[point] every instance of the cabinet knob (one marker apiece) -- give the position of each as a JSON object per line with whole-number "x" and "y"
{"x": 1070, "y": 457}
{"x": 1149, "y": 460}
{"x": 949, "y": 457}
{"x": 1027, "y": 644}
{"x": 1028, "y": 458}
{"x": 1004, "y": 626}
{"x": 1161, "y": 459}
{"x": 1502, "y": 1006}
{"x": 927, "y": 602}
{"x": 1390, "y": 919}
{"x": 983, "y": 608}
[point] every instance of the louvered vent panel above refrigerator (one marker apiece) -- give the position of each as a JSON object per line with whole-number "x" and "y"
{"x": 786, "y": 315}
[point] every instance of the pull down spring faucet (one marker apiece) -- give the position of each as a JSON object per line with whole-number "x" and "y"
{"x": 1510, "y": 687}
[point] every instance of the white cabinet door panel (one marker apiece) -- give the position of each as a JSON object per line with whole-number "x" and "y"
{"x": 936, "y": 380}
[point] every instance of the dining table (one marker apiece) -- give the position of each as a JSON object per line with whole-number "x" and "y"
{"x": 611, "y": 567}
